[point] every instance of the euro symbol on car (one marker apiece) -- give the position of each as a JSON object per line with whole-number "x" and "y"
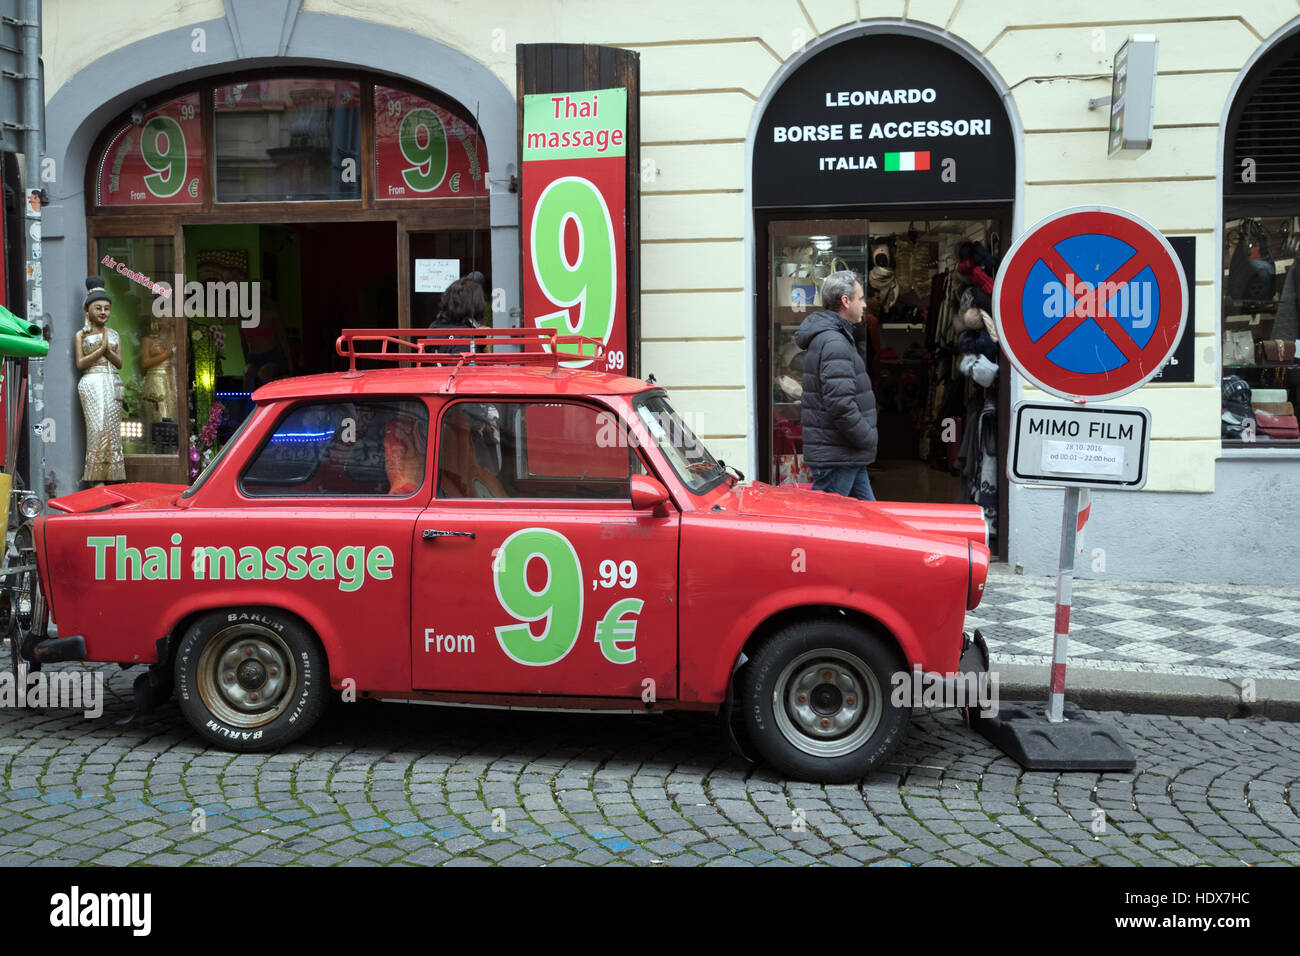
{"x": 612, "y": 630}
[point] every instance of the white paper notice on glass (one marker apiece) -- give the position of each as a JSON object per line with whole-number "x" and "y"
{"x": 1082, "y": 458}
{"x": 434, "y": 275}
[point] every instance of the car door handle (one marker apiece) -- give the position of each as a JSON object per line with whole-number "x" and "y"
{"x": 433, "y": 534}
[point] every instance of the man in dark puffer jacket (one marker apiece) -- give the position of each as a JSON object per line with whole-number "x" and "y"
{"x": 839, "y": 409}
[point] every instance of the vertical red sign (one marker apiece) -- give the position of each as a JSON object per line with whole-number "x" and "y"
{"x": 574, "y": 194}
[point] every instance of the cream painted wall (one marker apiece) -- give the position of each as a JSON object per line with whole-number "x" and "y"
{"x": 77, "y": 32}
{"x": 704, "y": 71}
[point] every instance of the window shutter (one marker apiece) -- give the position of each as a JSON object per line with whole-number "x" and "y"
{"x": 1264, "y": 130}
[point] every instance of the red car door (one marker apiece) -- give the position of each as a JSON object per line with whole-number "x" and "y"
{"x": 532, "y": 573}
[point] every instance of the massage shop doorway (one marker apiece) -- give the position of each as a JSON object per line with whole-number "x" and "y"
{"x": 312, "y": 281}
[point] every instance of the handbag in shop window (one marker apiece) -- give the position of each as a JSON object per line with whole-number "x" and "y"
{"x": 1238, "y": 348}
{"x": 1251, "y": 272}
{"x": 795, "y": 287}
{"x": 1276, "y": 426}
{"x": 1275, "y": 352}
{"x": 837, "y": 265}
{"x": 1272, "y": 408}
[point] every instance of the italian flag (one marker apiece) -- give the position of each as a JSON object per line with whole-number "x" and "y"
{"x": 906, "y": 162}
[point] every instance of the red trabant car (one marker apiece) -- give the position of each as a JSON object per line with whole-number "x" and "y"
{"x": 500, "y": 529}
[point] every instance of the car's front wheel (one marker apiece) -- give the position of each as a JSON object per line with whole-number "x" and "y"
{"x": 816, "y": 701}
{"x": 250, "y": 678}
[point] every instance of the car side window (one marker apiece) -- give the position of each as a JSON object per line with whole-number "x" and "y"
{"x": 343, "y": 449}
{"x": 535, "y": 450}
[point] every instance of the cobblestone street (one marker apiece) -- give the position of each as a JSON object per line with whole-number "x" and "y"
{"x": 379, "y": 784}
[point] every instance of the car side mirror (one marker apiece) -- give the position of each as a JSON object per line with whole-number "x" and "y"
{"x": 647, "y": 493}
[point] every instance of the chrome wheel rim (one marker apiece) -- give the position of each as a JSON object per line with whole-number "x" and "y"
{"x": 827, "y": 703}
{"x": 246, "y": 675}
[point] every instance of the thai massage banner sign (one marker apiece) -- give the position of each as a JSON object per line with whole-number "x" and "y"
{"x": 158, "y": 162}
{"x": 423, "y": 151}
{"x": 574, "y": 195}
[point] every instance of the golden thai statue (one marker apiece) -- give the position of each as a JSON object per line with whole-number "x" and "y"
{"x": 99, "y": 356}
{"x": 158, "y": 380}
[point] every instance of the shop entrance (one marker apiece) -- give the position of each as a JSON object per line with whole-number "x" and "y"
{"x": 938, "y": 375}
{"x": 307, "y": 283}
{"x": 890, "y": 154}
{"x": 299, "y": 286}
{"x": 312, "y": 280}
{"x": 256, "y": 302}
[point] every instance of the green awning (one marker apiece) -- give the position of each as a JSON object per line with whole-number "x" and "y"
{"x": 20, "y": 338}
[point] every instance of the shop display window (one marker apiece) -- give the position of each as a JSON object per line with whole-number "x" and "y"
{"x": 424, "y": 150}
{"x": 287, "y": 140}
{"x": 802, "y": 254}
{"x": 153, "y": 355}
{"x": 158, "y": 162}
{"x": 1261, "y": 325}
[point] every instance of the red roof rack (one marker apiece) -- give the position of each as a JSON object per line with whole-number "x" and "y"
{"x": 509, "y": 346}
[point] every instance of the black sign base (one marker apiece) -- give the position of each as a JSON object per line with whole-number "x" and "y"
{"x": 1022, "y": 731}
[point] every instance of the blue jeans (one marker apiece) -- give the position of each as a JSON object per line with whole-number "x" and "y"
{"x": 849, "y": 481}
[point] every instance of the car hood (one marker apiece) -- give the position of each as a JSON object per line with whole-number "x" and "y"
{"x": 964, "y": 522}
{"x": 757, "y": 498}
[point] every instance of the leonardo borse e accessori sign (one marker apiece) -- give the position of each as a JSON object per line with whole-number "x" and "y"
{"x": 884, "y": 119}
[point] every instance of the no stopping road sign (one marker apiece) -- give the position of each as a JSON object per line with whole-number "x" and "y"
{"x": 1090, "y": 303}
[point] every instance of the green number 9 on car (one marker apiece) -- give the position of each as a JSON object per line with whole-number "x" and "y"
{"x": 558, "y": 602}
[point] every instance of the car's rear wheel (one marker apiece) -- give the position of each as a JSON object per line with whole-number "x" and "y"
{"x": 250, "y": 678}
{"x": 816, "y": 701}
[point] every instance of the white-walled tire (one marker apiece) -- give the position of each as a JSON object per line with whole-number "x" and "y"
{"x": 815, "y": 698}
{"x": 250, "y": 678}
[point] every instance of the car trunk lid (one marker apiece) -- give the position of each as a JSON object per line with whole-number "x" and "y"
{"x": 107, "y": 497}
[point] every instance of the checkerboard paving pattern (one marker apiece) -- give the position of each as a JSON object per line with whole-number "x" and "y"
{"x": 1194, "y": 629}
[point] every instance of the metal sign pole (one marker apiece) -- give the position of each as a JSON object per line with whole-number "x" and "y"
{"x": 1064, "y": 585}
{"x": 33, "y": 146}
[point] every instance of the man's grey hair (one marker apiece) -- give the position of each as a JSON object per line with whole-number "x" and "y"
{"x": 838, "y": 284}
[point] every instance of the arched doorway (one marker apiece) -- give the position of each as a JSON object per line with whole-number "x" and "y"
{"x": 253, "y": 42}
{"x": 892, "y": 155}
{"x": 242, "y": 223}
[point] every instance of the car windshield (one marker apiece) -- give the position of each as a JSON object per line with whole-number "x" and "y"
{"x": 216, "y": 459}
{"x": 698, "y": 470}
